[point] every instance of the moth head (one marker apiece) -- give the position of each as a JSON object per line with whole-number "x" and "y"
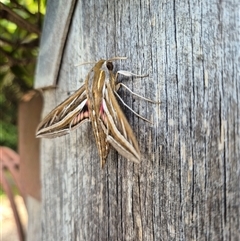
{"x": 109, "y": 65}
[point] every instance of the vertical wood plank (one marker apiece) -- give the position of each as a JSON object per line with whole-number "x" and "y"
{"x": 188, "y": 184}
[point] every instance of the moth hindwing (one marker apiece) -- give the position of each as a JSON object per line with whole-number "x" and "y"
{"x": 96, "y": 102}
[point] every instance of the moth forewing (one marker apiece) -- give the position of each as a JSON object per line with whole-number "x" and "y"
{"x": 118, "y": 131}
{"x": 60, "y": 131}
{"x": 122, "y": 139}
{"x": 66, "y": 116}
{"x": 69, "y": 122}
{"x": 124, "y": 152}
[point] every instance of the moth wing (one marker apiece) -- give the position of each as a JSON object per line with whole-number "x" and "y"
{"x": 117, "y": 129}
{"x": 65, "y": 117}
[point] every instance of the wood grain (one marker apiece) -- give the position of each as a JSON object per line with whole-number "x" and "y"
{"x": 187, "y": 186}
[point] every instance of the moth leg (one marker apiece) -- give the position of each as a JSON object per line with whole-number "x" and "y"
{"x": 133, "y": 93}
{"x": 132, "y": 109}
{"x": 128, "y": 74}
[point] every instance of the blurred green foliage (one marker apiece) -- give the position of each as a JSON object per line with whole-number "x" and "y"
{"x": 1, "y": 192}
{"x": 20, "y": 30}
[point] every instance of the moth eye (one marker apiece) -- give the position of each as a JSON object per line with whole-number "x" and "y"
{"x": 110, "y": 65}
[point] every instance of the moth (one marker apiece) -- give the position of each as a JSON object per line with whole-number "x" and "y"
{"x": 96, "y": 101}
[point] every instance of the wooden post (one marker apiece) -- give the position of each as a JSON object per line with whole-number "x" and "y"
{"x": 187, "y": 186}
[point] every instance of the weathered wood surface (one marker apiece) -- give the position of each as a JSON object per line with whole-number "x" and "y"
{"x": 187, "y": 186}
{"x": 53, "y": 39}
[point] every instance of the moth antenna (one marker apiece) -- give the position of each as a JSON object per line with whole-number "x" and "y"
{"x": 84, "y": 63}
{"x": 116, "y": 58}
{"x": 112, "y": 59}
